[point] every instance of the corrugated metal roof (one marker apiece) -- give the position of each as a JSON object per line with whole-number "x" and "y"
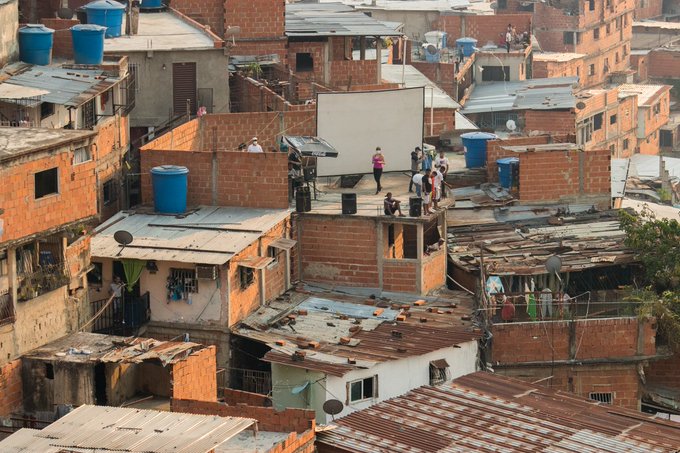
{"x": 645, "y": 93}
{"x": 209, "y": 235}
{"x": 434, "y": 96}
{"x": 557, "y": 56}
{"x": 108, "y": 429}
{"x": 619, "y": 177}
{"x": 533, "y": 94}
{"x": 332, "y": 19}
{"x": 646, "y": 167}
{"x": 70, "y": 87}
{"x": 484, "y": 412}
{"x": 346, "y": 328}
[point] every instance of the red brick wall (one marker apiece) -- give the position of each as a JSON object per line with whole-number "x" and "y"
{"x": 621, "y": 380}
{"x": 249, "y": 95}
{"x": 494, "y": 151}
{"x": 651, "y": 9}
{"x": 663, "y": 63}
{"x": 664, "y": 372}
{"x": 400, "y": 276}
{"x": 195, "y": 377}
{"x": 434, "y": 271}
{"x": 257, "y": 18}
{"x": 316, "y": 49}
{"x": 206, "y": 12}
{"x": 639, "y": 63}
{"x": 442, "y": 120}
{"x": 594, "y": 339}
{"x": 548, "y": 69}
{"x": 484, "y": 28}
{"x": 350, "y": 72}
{"x": 63, "y": 44}
{"x": 185, "y": 137}
{"x": 11, "y": 392}
{"x": 339, "y": 250}
{"x": 232, "y": 397}
{"x": 243, "y": 179}
{"x": 268, "y": 418}
{"x": 551, "y": 121}
{"x": 112, "y": 141}
{"x": 442, "y": 74}
{"x": 24, "y": 215}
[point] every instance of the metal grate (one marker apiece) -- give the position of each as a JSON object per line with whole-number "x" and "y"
{"x": 602, "y": 397}
{"x": 6, "y": 308}
{"x": 439, "y": 375}
{"x": 186, "y": 279}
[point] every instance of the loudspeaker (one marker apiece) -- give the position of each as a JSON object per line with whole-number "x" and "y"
{"x": 349, "y": 203}
{"x": 415, "y": 206}
{"x": 303, "y": 199}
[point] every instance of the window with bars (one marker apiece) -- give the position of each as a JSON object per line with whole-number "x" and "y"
{"x": 185, "y": 280}
{"x": 133, "y": 69}
{"x": 110, "y": 192}
{"x": 439, "y": 372}
{"x": 602, "y": 397}
{"x": 246, "y": 276}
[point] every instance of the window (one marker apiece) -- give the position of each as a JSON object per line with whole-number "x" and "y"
{"x": 273, "y": 254}
{"x": 110, "y": 192}
{"x": 612, "y": 119}
{"x": 3, "y": 262}
{"x": 133, "y": 70}
{"x": 439, "y": 372}
{"x": 606, "y": 398}
{"x": 608, "y": 28}
{"x": 591, "y": 5}
{"x": 625, "y": 20}
{"x": 81, "y": 155}
{"x": 612, "y": 149}
{"x": 586, "y": 130}
{"x": 605, "y": 68}
{"x": 596, "y": 33}
{"x": 625, "y": 143}
{"x": 390, "y": 235}
{"x": 304, "y": 62}
{"x": 618, "y": 23}
{"x": 616, "y": 57}
{"x": 665, "y": 140}
{"x": 597, "y": 121}
{"x": 495, "y": 73}
{"x": 49, "y": 371}
{"x": 591, "y": 70}
{"x": 89, "y": 115}
{"x": 246, "y": 276}
{"x": 625, "y": 50}
{"x": 46, "y": 110}
{"x": 657, "y": 108}
{"x": 94, "y": 277}
{"x": 363, "y": 389}
{"x": 568, "y": 37}
{"x": 46, "y": 183}
{"x": 183, "y": 281}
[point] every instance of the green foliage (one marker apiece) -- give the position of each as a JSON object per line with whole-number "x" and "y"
{"x": 657, "y": 243}
{"x": 666, "y": 309}
{"x": 254, "y": 70}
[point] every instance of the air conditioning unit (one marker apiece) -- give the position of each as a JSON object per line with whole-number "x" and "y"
{"x": 206, "y": 272}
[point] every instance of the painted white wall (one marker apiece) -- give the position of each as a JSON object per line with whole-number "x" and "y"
{"x": 204, "y": 306}
{"x": 398, "y": 377}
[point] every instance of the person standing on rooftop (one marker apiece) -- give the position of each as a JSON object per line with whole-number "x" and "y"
{"x": 378, "y": 161}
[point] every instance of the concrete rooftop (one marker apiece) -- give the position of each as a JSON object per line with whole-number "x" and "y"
{"x": 15, "y": 141}
{"x": 161, "y": 31}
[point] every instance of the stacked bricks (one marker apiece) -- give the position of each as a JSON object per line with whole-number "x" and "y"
{"x": 194, "y": 377}
{"x": 11, "y": 393}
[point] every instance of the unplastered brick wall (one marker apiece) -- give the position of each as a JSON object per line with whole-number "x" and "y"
{"x": 664, "y": 372}
{"x": 111, "y": 146}
{"x": 647, "y": 9}
{"x": 527, "y": 342}
{"x": 24, "y": 214}
{"x": 550, "y": 121}
{"x": 338, "y": 250}
{"x": 11, "y": 392}
{"x": 257, "y": 19}
{"x": 495, "y": 151}
{"x": 250, "y": 95}
{"x": 442, "y": 74}
{"x": 232, "y": 397}
{"x": 315, "y": 49}
{"x": 621, "y": 380}
{"x": 62, "y": 42}
{"x": 194, "y": 378}
{"x": 186, "y": 137}
{"x": 400, "y": 276}
{"x": 438, "y": 121}
{"x": 434, "y": 271}
{"x": 483, "y": 28}
{"x": 550, "y": 68}
{"x": 664, "y": 63}
{"x": 205, "y": 12}
{"x": 639, "y": 64}
{"x": 350, "y": 72}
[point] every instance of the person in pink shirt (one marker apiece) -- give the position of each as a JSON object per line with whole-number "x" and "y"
{"x": 378, "y": 165}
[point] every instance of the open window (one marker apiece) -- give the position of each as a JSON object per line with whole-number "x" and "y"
{"x": 246, "y": 276}
{"x": 439, "y": 372}
{"x": 46, "y": 183}
{"x": 362, "y": 389}
{"x": 304, "y": 62}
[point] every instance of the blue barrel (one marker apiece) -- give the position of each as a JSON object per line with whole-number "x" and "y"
{"x": 88, "y": 43}
{"x": 35, "y": 44}
{"x": 152, "y": 4}
{"x": 474, "y": 144}
{"x": 107, "y": 13}
{"x": 505, "y": 170}
{"x": 467, "y": 46}
{"x": 169, "y": 189}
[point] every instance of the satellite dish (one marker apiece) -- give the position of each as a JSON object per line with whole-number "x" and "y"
{"x": 510, "y": 124}
{"x": 65, "y": 13}
{"x": 431, "y": 49}
{"x": 553, "y": 264}
{"x": 123, "y": 238}
{"x": 333, "y": 407}
{"x": 580, "y": 105}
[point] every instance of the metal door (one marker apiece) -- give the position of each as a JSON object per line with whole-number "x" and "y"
{"x": 184, "y": 88}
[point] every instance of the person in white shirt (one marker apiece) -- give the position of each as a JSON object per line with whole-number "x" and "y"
{"x": 254, "y": 147}
{"x": 508, "y": 37}
{"x": 442, "y": 164}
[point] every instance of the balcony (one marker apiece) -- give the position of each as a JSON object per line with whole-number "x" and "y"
{"x": 6, "y": 308}
{"x": 47, "y": 278}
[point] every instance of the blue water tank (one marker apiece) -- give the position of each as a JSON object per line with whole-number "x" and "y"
{"x": 152, "y": 4}
{"x": 466, "y": 46}
{"x": 35, "y": 44}
{"x": 474, "y": 144}
{"x": 107, "y": 13}
{"x": 505, "y": 170}
{"x": 88, "y": 43}
{"x": 169, "y": 189}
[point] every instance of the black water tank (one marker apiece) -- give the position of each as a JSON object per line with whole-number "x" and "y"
{"x": 415, "y": 206}
{"x": 303, "y": 199}
{"x": 349, "y": 203}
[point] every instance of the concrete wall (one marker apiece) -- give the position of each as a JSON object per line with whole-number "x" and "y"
{"x": 154, "y": 101}
{"x": 515, "y": 62}
{"x": 9, "y": 24}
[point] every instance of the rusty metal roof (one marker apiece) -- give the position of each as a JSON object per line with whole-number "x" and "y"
{"x": 484, "y": 412}
{"x": 93, "y": 347}
{"x": 582, "y": 242}
{"x": 115, "y": 429}
{"x": 367, "y": 331}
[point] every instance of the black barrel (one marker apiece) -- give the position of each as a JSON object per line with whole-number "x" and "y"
{"x": 415, "y": 206}
{"x": 303, "y": 199}
{"x": 349, "y": 203}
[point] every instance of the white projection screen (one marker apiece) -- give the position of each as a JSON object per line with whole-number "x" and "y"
{"x": 356, "y": 122}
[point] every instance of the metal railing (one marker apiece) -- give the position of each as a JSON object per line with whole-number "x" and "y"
{"x": 254, "y": 381}
{"x": 47, "y": 278}
{"x": 6, "y": 308}
{"x": 122, "y": 318}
